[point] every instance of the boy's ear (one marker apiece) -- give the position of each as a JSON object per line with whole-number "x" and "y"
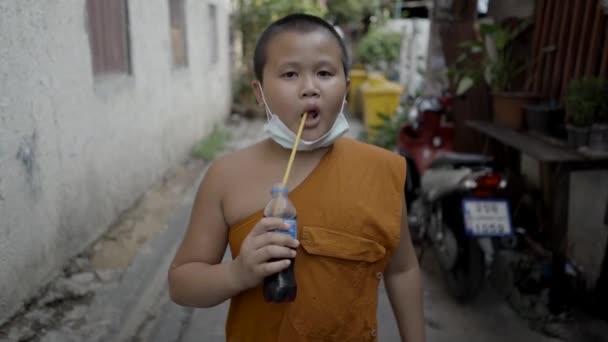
{"x": 256, "y": 85}
{"x": 347, "y": 85}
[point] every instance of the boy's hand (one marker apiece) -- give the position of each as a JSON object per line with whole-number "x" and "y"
{"x": 261, "y": 245}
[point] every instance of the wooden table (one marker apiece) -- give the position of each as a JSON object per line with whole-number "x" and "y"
{"x": 556, "y": 161}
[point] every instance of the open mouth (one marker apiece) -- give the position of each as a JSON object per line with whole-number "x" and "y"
{"x": 312, "y": 114}
{"x": 313, "y": 118}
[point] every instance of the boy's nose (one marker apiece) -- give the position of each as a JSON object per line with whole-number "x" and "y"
{"x": 309, "y": 89}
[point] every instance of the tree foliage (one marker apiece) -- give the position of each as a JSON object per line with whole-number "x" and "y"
{"x": 255, "y": 15}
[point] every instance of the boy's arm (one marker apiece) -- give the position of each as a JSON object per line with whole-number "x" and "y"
{"x": 197, "y": 276}
{"x": 403, "y": 285}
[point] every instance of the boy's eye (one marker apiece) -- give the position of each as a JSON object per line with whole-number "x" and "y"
{"x": 325, "y": 73}
{"x": 289, "y": 74}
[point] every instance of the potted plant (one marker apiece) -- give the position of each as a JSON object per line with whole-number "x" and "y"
{"x": 598, "y": 137}
{"x": 379, "y": 50}
{"x": 582, "y": 103}
{"x": 490, "y": 59}
{"x": 546, "y": 117}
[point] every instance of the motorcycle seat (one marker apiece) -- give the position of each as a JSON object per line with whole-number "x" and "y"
{"x": 455, "y": 159}
{"x": 438, "y": 181}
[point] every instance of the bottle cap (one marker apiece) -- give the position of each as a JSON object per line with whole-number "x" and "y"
{"x": 279, "y": 188}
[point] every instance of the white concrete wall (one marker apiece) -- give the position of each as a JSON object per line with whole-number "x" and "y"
{"x": 415, "y": 36}
{"x": 77, "y": 150}
{"x": 435, "y": 78}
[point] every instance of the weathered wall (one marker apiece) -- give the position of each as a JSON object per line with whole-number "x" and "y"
{"x": 587, "y": 233}
{"x": 499, "y": 10}
{"x": 76, "y": 150}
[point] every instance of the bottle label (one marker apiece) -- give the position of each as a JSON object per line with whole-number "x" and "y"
{"x": 293, "y": 228}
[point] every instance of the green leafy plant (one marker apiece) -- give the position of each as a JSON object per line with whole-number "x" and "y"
{"x": 378, "y": 47}
{"x": 585, "y": 101}
{"x": 210, "y": 147}
{"x": 489, "y": 59}
{"x": 255, "y": 15}
{"x": 349, "y": 11}
{"x": 602, "y": 113}
{"x": 386, "y": 133}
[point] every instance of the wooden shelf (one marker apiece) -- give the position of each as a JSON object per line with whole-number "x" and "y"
{"x": 536, "y": 145}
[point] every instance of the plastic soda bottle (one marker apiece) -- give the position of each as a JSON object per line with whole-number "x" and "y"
{"x": 281, "y": 287}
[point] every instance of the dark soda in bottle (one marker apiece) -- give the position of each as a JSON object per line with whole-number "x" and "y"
{"x": 281, "y": 287}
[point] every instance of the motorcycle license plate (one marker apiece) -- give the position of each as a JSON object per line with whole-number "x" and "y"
{"x": 486, "y": 217}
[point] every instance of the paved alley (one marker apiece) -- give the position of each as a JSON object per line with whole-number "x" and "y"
{"x": 112, "y": 112}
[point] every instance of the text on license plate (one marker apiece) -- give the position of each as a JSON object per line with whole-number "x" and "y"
{"x": 486, "y": 217}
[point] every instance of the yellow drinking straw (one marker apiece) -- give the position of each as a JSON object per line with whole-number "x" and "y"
{"x": 294, "y": 149}
{"x": 292, "y": 157}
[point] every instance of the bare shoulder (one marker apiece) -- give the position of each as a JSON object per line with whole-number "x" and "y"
{"x": 239, "y": 158}
{"x": 230, "y": 167}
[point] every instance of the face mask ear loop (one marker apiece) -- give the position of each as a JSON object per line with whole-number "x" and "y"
{"x": 267, "y": 109}
{"x": 343, "y": 103}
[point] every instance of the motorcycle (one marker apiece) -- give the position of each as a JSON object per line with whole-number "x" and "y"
{"x": 457, "y": 202}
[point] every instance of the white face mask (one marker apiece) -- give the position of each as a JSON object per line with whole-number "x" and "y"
{"x": 282, "y": 135}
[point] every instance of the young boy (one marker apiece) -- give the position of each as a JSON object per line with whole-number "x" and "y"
{"x": 352, "y": 223}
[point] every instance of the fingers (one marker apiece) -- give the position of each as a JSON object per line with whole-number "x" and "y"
{"x": 270, "y": 252}
{"x": 274, "y": 267}
{"x": 268, "y": 224}
{"x": 274, "y": 238}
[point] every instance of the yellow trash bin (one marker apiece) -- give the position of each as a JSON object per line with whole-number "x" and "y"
{"x": 379, "y": 96}
{"x": 357, "y": 77}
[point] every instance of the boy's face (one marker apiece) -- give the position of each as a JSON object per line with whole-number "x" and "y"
{"x": 304, "y": 73}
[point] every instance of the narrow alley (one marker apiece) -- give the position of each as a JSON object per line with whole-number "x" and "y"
{"x": 112, "y": 111}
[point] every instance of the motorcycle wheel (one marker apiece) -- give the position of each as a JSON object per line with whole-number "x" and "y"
{"x": 465, "y": 279}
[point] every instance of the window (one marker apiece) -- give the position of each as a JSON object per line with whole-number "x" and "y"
{"x": 213, "y": 34}
{"x": 177, "y": 19}
{"x": 109, "y": 36}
